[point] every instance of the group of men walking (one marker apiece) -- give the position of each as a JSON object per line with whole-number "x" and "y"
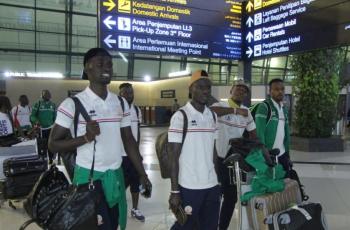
{"x": 198, "y": 168}
{"x": 199, "y": 180}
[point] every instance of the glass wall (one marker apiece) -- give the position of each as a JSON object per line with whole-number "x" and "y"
{"x": 53, "y": 35}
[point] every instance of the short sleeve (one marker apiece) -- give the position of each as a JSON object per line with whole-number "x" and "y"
{"x": 126, "y": 120}
{"x": 65, "y": 113}
{"x": 175, "y": 131}
{"x": 250, "y": 124}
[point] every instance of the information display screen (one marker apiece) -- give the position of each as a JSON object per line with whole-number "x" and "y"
{"x": 172, "y": 27}
{"x": 275, "y": 27}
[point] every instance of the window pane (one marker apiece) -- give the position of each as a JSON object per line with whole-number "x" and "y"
{"x": 49, "y": 41}
{"x": 51, "y": 4}
{"x": 85, "y": 6}
{"x": 16, "y": 39}
{"x": 51, "y": 63}
{"x": 77, "y": 66}
{"x": 143, "y": 68}
{"x": 273, "y": 73}
{"x": 19, "y": 2}
{"x": 259, "y": 63}
{"x": 120, "y": 68}
{"x": 82, "y": 44}
{"x": 278, "y": 62}
{"x": 257, "y": 76}
{"x": 16, "y": 61}
{"x": 84, "y": 25}
{"x": 169, "y": 67}
{"x": 196, "y": 66}
{"x": 50, "y": 21}
{"x": 16, "y": 18}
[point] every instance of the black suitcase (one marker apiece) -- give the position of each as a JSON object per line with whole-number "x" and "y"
{"x": 23, "y": 165}
{"x": 306, "y": 216}
{"x": 20, "y": 186}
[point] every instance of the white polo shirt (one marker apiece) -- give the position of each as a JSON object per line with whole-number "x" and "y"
{"x": 196, "y": 166}
{"x": 22, "y": 114}
{"x": 231, "y": 126}
{"x": 135, "y": 121}
{"x": 279, "y": 140}
{"x": 5, "y": 125}
{"x": 110, "y": 117}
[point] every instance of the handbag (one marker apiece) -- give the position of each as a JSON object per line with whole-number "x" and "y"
{"x": 54, "y": 204}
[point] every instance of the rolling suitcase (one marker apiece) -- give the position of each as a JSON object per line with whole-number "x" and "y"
{"x": 261, "y": 206}
{"x": 305, "y": 216}
{"x": 23, "y": 165}
{"x": 19, "y": 186}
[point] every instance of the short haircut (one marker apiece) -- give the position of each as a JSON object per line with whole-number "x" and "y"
{"x": 22, "y": 96}
{"x": 125, "y": 85}
{"x": 92, "y": 53}
{"x": 275, "y": 80}
{"x": 5, "y": 102}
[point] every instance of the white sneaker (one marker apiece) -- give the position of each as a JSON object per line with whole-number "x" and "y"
{"x": 137, "y": 214}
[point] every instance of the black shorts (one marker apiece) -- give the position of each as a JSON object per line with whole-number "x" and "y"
{"x": 131, "y": 176}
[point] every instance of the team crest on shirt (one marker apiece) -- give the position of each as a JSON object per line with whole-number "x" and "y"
{"x": 193, "y": 123}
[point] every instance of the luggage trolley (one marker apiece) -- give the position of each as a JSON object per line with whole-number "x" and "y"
{"x": 242, "y": 174}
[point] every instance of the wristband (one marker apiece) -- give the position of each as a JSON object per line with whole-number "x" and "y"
{"x": 175, "y": 192}
{"x": 86, "y": 139}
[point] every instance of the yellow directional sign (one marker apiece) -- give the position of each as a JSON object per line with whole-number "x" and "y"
{"x": 249, "y": 6}
{"x": 110, "y": 4}
{"x": 257, "y": 4}
{"x": 124, "y": 6}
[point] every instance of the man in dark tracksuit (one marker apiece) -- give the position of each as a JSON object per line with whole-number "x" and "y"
{"x": 43, "y": 116}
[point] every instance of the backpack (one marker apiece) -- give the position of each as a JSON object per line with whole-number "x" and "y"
{"x": 254, "y": 108}
{"x": 162, "y": 149}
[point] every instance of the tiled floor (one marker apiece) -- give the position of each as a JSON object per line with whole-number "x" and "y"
{"x": 325, "y": 183}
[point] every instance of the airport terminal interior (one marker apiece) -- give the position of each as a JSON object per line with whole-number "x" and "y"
{"x": 42, "y": 47}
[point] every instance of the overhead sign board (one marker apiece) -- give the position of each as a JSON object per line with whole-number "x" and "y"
{"x": 173, "y": 27}
{"x": 275, "y": 27}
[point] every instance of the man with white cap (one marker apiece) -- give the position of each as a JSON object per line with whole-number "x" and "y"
{"x": 234, "y": 119}
{"x": 194, "y": 183}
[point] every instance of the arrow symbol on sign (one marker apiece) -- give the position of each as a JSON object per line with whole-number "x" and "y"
{"x": 249, "y": 22}
{"x": 110, "y": 4}
{"x": 249, "y": 37}
{"x": 110, "y": 41}
{"x": 249, "y": 6}
{"x": 108, "y": 22}
{"x": 249, "y": 52}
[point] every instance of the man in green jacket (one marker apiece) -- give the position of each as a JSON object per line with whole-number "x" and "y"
{"x": 43, "y": 116}
{"x": 272, "y": 128}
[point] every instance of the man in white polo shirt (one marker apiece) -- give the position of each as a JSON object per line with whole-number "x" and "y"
{"x": 194, "y": 183}
{"x": 234, "y": 119}
{"x": 109, "y": 128}
{"x": 21, "y": 115}
{"x": 130, "y": 174}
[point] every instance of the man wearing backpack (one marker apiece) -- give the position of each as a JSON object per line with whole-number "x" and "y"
{"x": 194, "y": 184}
{"x": 234, "y": 119}
{"x": 130, "y": 174}
{"x": 102, "y": 137}
{"x": 272, "y": 127}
